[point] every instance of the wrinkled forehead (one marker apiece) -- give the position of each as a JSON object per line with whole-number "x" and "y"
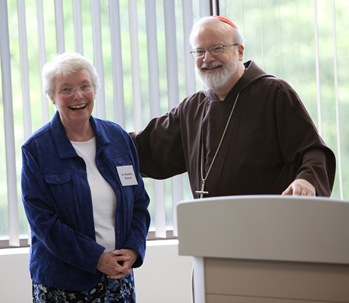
{"x": 73, "y": 77}
{"x": 212, "y": 32}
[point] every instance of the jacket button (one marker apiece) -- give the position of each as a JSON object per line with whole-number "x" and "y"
{"x": 58, "y": 179}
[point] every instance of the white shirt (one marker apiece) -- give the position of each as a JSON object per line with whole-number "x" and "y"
{"x": 103, "y": 196}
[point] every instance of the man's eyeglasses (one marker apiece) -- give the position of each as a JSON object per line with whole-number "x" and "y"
{"x": 213, "y": 50}
{"x": 69, "y": 91}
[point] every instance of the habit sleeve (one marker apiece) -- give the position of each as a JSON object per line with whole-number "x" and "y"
{"x": 159, "y": 147}
{"x": 299, "y": 138}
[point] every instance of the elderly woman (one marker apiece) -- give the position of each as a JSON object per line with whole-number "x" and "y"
{"x": 83, "y": 195}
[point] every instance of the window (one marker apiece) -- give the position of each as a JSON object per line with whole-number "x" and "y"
{"x": 141, "y": 51}
{"x": 305, "y": 43}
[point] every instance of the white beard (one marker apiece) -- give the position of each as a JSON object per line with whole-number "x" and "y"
{"x": 217, "y": 79}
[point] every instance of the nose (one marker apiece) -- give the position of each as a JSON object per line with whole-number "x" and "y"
{"x": 207, "y": 56}
{"x": 77, "y": 92}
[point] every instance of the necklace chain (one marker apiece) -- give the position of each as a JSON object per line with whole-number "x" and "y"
{"x": 203, "y": 179}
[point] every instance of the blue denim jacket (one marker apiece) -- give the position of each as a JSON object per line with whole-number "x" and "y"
{"x": 57, "y": 202}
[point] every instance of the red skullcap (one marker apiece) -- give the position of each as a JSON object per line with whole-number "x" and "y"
{"x": 226, "y": 20}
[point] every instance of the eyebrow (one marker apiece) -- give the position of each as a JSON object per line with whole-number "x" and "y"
{"x": 82, "y": 82}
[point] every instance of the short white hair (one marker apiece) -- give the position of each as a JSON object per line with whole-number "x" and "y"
{"x": 64, "y": 65}
{"x": 225, "y": 27}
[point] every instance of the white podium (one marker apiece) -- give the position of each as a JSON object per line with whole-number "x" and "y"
{"x": 266, "y": 249}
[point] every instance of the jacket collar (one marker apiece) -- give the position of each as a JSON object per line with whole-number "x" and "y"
{"x": 64, "y": 147}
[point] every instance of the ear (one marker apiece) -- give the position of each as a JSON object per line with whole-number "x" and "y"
{"x": 52, "y": 98}
{"x": 241, "y": 50}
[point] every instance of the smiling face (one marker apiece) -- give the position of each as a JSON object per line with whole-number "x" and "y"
{"x": 74, "y": 98}
{"x": 218, "y": 70}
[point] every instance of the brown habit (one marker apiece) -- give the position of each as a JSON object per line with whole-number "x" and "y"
{"x": 270, "y": 140}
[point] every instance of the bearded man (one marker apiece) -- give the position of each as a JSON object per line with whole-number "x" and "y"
{"x": 248, "y": 133}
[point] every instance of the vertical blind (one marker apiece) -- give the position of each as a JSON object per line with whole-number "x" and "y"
{"x": 306, "y": 44}
{"x": 8, "y": 142}
{"x": 137, "y": 48}
{"x": 141, "y": 52}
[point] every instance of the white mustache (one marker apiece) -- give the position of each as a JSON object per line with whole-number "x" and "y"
{"x": 210, "y": 65}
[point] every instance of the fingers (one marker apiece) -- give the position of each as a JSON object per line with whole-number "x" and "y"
{"x": 287, "y": 191}
{"x": 118, "y": 263}
{"x": 122, "y": 269}
{"x": 123, "y": 260}
{"x": 119, "y": 274}
{"x": 300, "y": 187}
{"x": 112, "y": 265}
{"x": 125, "y": 255}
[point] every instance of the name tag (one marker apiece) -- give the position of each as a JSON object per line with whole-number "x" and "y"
{"x": 127, "y": 175}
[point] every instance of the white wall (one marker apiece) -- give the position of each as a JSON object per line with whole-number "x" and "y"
{"x": 164, "y": 276}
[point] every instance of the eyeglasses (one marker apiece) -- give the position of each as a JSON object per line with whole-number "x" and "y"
{"x": 69, "y": 91}
{"x": 213, "y": 50}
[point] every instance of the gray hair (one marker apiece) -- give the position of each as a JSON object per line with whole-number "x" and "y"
{"x": 237, "y": 36}
{"x": 64, "y": 65}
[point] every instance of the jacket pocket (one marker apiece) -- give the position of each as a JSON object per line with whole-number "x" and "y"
{"x": 62, "y": 191}
{"x": 56, "y": 179}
